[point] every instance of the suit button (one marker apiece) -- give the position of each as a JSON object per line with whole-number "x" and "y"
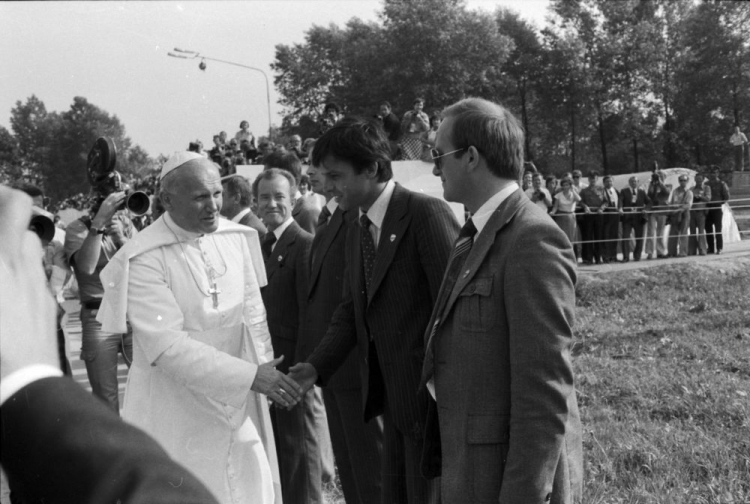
{"x": 472, "y": 289}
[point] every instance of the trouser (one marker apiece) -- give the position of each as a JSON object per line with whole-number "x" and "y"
{"x": 697, "y": 232}
{"x": 713, "y": 230}
{"x": 401, "y": 469}
{"x": 99, "y": 351}
{"x": 610, "y": 234}
{"x": 739, "y": 151}
{"x": 635, "y": 225}
{"x": 298, "y": 450}
{"x": 678, "y": 235}
{"x": 655, "y": 234}
{"x": 591, "y": 235}
{"x": 357, "y": 446}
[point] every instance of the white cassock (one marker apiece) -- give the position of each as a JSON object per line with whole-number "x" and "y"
{"x": 194, "y": 360}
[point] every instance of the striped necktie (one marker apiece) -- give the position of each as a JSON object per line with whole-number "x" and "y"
{"x": 323, "y": 217}
{"x": 267, "y": 244}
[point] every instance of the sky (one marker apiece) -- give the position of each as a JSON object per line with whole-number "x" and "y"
{"x": 115, "y": 55}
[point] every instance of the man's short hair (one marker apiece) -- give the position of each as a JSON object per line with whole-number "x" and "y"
{"x": 575, "y": 173}
{"x": 272, "y": 173}
{"x": 592, "y": 173}
{"x": 284, "y": 160}
{"x": 238, "y": 184}
{"x": 29, "y": 188}
{"x": 360, "y": 141}
{"x": 607, "y": 177}
{"x": 386, "y": 104}
{"x": 537, "y": 175}
{"x": 493, "y": 131}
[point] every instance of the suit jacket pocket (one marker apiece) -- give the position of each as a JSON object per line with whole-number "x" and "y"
{"x": 475, "y": 311}
{"x": 487, "y": 437}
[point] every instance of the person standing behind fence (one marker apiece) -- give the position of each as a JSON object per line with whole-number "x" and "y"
{"x": 592, "y": 227}
{"x": 701, "y": 197}
{"x": 658, "y": 196}
{"x": 738, "y": 141}
{"x": 719, "y": 196}
{"x": 633, "y": 201}
{"x": 679, "y": 219}
{"x": 563, "y": 208}
{"x": 611, "y": 221}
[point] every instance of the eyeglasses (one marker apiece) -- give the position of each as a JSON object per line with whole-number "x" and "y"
{"x": 435, "y": 154}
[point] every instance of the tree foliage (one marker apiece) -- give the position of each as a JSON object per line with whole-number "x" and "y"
{"x": 51, "y": 148}
{"x": 603, "y": 85}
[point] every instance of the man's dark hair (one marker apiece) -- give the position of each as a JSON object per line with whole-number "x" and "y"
{"x": 284, "y": 160}
{"x": 387, "y": 104}
{"x": 240, "y": 185}
{"x": 593, "y": 173}
{"x": 331, "y": 106}
{"x": 29, "y": 189}
{"x": 360, "y": 141}
{"x": 272, "y": 173}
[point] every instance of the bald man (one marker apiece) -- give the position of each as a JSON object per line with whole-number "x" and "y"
{"x": 202, "y": 356}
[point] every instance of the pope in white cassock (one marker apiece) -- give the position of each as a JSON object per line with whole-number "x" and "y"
{"x": 190, "y": 286}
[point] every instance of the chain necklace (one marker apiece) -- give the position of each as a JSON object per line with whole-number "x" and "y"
{"x": 213, "y": 289}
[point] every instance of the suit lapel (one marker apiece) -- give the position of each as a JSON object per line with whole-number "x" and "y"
{"x": 394, "y": 225}
{"x": 281, "y": 250}
{"x": 322, "y": 242}
{"x": 484, "y": 241}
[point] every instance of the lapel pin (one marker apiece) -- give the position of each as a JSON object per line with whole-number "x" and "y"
{"x": 467, "y": 273}
{"x": 393, "y": 238}
{"x": 280, "y": 259}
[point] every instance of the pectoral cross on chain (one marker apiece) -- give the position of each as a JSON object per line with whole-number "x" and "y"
{"x": 214, "y": 290}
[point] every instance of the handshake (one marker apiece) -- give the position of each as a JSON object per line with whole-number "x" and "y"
{"x": 284, "y": 390}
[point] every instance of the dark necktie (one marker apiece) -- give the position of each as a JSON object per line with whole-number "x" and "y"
{"x": 455, "y": 265}
{"x": 267, "y": 244}
{"x": 368, "y": 248}
{"x": 323, "y": 217}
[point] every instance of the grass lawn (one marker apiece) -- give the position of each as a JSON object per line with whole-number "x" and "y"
{"x": 662, "y": 362}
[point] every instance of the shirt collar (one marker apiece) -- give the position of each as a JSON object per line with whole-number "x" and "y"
{"x": 332, "y": 205}
{"x": 280, "y": 230}
{"x": 182, "y": 234}
{"x": 240, "y": 215}
{"x": 376, "y": 213}
{"x": 483, "y": 214}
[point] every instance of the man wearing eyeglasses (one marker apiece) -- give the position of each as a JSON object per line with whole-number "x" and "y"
{"x": 395, "y": 257}
{"x": 504, "y": 425}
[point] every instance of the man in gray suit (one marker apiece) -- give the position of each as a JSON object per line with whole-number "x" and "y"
{"x": 238, "y": 197}
{"x": 505, "y": 427}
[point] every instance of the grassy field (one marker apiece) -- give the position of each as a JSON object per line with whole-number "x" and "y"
{"x": 662, "y": 360}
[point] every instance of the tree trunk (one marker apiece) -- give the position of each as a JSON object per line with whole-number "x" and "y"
{"x": 602, "y": 139}
{"x": 525, "y": 121}
{"x": 572, "y": 137}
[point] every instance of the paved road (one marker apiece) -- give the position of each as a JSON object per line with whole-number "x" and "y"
{"x": 731, "y": 250}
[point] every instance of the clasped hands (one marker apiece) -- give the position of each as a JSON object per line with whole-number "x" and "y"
{"x": 284, "y": 390}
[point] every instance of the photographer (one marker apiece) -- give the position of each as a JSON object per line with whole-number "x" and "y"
{"x": 90, "y": 243}
{"x": 538, "y": 194}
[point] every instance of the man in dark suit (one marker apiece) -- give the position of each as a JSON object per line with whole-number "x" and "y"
{"x": 394, "y": 260}
{"x": 505, "y": 427}
{"x": 633, "y": 201}
{"x": 59, "y": 443}
{"x": 305, "y": 211}
{"x": 357, "y": 446}
{"x": 611, "y": 220}
{"x": 238, "y": 197}
{"x": 286, "y": 250}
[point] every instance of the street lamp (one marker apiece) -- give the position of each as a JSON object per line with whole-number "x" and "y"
{"x": 183, "y": 54}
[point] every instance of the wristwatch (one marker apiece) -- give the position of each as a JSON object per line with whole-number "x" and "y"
{"x": 96, "y": 230}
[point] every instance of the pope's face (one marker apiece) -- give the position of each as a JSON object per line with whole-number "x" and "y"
{"x": 275, "y": 201}
{"x": 196, "y": 198}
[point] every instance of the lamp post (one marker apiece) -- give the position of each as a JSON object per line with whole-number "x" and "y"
{"x": 183, "y": 54}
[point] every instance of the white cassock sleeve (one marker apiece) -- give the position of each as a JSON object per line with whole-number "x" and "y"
{"x": 157, "y": 323}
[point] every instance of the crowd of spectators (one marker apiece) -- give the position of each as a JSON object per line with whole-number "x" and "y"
{"x": 599, "y": 219}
